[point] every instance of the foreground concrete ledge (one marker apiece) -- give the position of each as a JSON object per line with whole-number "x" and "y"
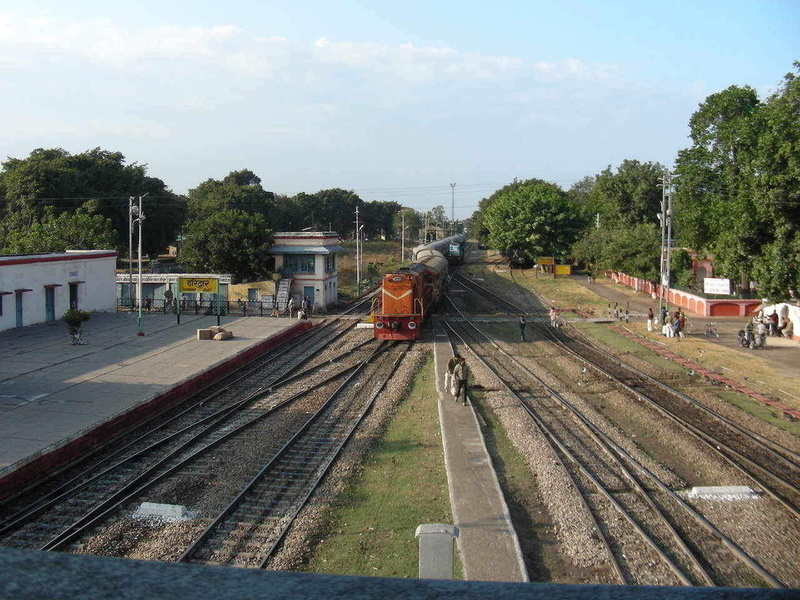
{"x": 35, "y": 575}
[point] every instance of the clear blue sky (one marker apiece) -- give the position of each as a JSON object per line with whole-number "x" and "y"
{"x": 395, "y": 100}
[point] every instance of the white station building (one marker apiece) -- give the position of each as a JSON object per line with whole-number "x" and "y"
{"x": 308, "y": 266}
{"x": 35, "y": 288}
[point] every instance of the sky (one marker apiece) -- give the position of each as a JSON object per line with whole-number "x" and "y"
{"x": 395, "y": 100}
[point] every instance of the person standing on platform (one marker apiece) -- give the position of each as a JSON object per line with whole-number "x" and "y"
{"x": 448, "y": 374}
{"x": 460, "y": 376}
{"x": 521, "y": 328}
{"x": 290, "y": 306}
{"x": 650, "y": 317}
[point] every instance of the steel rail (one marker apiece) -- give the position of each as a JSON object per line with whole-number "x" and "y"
{"x": 79, "y": 482}
{"x": 130, "y": 490}
{"x": 601, "y": 488}
{"x": 749, "y": 561}
{"x": 198, "y": 542}
{"x": 198, "y": 401}
{"x": 368, "y": 405}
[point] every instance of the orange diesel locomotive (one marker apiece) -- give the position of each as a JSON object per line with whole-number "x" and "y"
{"x": 409, "y": 294}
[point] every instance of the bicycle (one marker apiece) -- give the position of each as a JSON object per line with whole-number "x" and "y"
{"x": 711, "y": 330}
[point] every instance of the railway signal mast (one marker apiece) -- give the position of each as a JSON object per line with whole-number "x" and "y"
{"x": 665, "y": 217}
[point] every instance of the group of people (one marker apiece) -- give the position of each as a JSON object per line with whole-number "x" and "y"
{"x": 455, "y": 378}
{"x": 771, "y": 325}
{"x": 303, "y": 312}
{"x": 672, "y": 325}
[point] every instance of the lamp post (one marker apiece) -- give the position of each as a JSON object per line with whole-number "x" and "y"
{"x": 131, "y": 207}
{"x": 453, "y": 208}
{"x": 140, "y": 219}
{"x": 665, "y": 217}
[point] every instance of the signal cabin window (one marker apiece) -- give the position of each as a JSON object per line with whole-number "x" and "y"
{"x": 299, "y": 263}
{"x": 330, "y": 263}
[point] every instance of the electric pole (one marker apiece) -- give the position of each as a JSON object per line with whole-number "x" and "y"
{"x": 140, "y": 220}
{"x": 358, "y": 260}
{"x": 402, "y": 236}
{"x": 453, "y": 207}
{"x": 665, "y": 216}
{"x": 131, "y": 206}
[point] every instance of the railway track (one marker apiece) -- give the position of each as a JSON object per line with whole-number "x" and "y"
{"x": 697, "y": 534}
{"x": 248, "y": 530}
{"x": 67, "y": 510}
{"x": 774, "y": 469}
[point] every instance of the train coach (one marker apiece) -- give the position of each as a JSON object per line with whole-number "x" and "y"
{"x": 408, "y": 295}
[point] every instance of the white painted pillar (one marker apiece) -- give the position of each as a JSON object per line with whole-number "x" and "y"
{"x": 436, "y": 550}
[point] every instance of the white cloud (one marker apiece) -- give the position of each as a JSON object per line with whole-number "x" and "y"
{"x": 414, "y": 63}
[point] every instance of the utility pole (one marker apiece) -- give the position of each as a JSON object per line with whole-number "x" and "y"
{"x": 131, "y": 206}
{"x": 453, "y": 208}
{"x": 665, "y": 216}
{"x": 140, "y": 220}
{"x": 358, "y": 258}
{"x": 597, "y": 220}
{"x": 402, "y": 236}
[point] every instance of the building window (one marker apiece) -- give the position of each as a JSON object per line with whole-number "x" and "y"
{"x": 330, "y": 263}
{"x": 298, "y": 263}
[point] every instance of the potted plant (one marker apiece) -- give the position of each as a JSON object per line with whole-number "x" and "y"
{"x": 74, "y": 319}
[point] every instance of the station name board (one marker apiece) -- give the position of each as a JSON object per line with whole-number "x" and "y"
{"x": 198, "y": 284}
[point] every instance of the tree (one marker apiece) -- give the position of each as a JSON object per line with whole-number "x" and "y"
{"x": 532, "y": 219}
{"x": 715, "y": 208}
{"x": 55, "y": 181}
{"x": 777, "y": 189}
{"x": 632, "y": 249}
{"x": 631, "y": 195}
{"x": 413, "y": 223}
{"x": 228, "y": 241}
{"x": 83, "y": 229}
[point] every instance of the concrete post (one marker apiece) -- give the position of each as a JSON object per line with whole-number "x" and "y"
{"x": 436, "y": 550}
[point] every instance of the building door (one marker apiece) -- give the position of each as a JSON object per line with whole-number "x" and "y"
{"x": 73, "y": 295}
{"x": 308, "y": 291}
{"x": 252, "y": 294}
{"x": 49, "y": 304}
{"x": 18, "y": 298}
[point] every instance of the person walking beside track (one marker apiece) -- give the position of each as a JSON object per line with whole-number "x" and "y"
{"x": 521, "y": 328}
{"x": 460, "y": 376}
{"x": 448, "y": 374}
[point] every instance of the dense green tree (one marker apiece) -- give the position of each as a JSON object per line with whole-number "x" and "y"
{"x": 379, "y": 219}
{"x": 631, "y": 195}
{"x": 55, "y": 181}
{"x": 579, "y": 194}
{"x": 715, "y": 208}
{"x": 413, "y": 222}
{"x": 633, "y": 249}
{"x": 82, "y": 229}
{"x": 777, "y": 189}
{"x": 532, "y": 219}
{"x": 239, "y": 190}
{"x": 478, "y": 227}
{"x": 228, "y": 241}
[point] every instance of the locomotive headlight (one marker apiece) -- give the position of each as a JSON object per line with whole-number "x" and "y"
{"x": 379, "y": 325}
{"x": 412, "y": 325}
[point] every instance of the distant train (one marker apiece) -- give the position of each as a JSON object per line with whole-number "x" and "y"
{"x": 408, "y": 295}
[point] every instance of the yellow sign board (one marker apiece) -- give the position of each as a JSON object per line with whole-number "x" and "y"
{"x": 545, "y": 260}
{"x": 198, "y": 284}
{"x": 563, "y": 270}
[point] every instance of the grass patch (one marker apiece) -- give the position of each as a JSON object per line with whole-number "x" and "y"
{"x": 377, "y": 259}
{"x": 403, "y": 484}
{"x": 765, "y": 413}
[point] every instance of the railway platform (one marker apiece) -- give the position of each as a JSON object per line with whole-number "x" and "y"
{"x": 58, "y": 400}
{"x": 487, "y": 542}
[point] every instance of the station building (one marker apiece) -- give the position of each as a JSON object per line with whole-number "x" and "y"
{"x": 36, "y": 288}
{"x": 307, "y": 262}
{"x": 158, "y": 287}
